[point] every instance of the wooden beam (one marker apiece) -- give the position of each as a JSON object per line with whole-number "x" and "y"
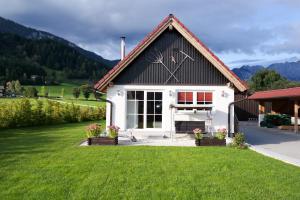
{"x": 296, "y": 116}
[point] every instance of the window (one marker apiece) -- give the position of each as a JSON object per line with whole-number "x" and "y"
{"x": 185, "y": 98}
{"x": 144, "y": 109}
{"x": 135, "y": 109}
{"x": 204, "y": 98}
{"x": 154, "y": 110}
{"x": 194, "y": 98}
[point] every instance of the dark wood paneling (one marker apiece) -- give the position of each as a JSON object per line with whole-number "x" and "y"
{"x": 245, "y": 110}
{"x": 169, "y": 43}
{"x": 189, "y": 126}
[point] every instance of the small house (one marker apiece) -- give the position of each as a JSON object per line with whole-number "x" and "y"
{"x": 170, "y": 83}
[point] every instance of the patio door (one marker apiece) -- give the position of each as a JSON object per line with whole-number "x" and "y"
{"x": 144, "y": 110}
{"x": 153, "y": 114}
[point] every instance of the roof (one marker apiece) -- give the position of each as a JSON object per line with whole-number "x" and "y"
{"x": 171, "y": 20}
{"x": 274, "y": 94}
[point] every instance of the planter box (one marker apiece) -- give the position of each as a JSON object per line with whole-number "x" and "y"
{"x": 210, "y": 142}
{"x": 102, "y": 141}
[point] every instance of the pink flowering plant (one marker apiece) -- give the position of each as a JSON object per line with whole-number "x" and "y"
{"x": 198, "y": 133}
{"x": 221, "y": 133}
{"x": 113, "y": 131}
{"x": 93, "y": 130}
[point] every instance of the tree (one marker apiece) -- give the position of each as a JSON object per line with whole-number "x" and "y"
{"x": 268, "y": 79}
{"x": 62, "y": 92}
{"x": 31, "y": 92}
{"x": 14, "y": 87}
{"x": 18, "y": 87}
{"x": 86, "y": 91}
{"x": 44, "y": 91}
{"x": 76, "y": 92}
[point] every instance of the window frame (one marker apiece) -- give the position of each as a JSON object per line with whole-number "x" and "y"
{"x": 195, "y": 100}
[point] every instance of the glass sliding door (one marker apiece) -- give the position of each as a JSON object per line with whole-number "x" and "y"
{"x": 135, "y": 109}
{"x": 144, "y": 109}
{"x": 154, "y": 110}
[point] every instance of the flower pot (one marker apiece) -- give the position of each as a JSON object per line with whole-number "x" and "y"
{"x": 89, "y": 141}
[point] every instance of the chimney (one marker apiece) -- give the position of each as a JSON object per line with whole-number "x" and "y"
{"x": 122, "y": 47}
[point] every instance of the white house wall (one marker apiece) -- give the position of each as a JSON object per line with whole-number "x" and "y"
{"x": 222, "y": 96}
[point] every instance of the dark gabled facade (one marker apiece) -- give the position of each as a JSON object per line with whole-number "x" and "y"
{"x": 171, "y": 47}
{"x": 172, "y": 41}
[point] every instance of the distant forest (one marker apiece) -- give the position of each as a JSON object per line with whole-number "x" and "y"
{"x": 45, "y": 60}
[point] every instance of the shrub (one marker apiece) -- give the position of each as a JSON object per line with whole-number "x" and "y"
{"x": 25, "y": 112}
{"x": 239, "y": 140}
{"x": 76, "y": 92}
{"x": 272, "y": 120}
{"x": 113, "y": 131}
{"x": 93, "y": 130}
{"x": 31, "y": 92}
{"x": 86, "y": 91}
{"x": 198, "y": 133}
{"x": 221, "y": 133}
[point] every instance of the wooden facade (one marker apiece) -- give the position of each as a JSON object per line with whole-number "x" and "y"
{"x": 172, "y": 46}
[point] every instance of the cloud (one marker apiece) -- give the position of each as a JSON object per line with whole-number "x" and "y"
{"x": 225, "y": 26}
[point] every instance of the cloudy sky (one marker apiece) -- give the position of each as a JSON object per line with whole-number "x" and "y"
{"x": 239, "y": 32}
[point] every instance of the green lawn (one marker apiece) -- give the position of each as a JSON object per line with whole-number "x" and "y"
{"x": 47, "y": 163}
{"x": 55, "y": 91}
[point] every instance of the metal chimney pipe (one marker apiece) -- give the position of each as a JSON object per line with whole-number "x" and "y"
{"x": 122, "y": 47}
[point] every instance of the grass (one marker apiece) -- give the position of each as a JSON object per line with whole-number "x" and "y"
{"x": 47, "y": 163}
{"x": 55, "y": 91}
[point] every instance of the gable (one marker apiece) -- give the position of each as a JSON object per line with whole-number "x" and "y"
{"x": 170, "y": 22}
{"x": 172, "y": 47}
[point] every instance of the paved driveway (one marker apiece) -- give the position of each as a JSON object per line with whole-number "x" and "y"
{"x": 273, "y": 141}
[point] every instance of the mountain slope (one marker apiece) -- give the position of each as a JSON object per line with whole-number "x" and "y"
{"x": 246, "y": 71}
{"x": 8, "y": 26}
{"x": 289, "y": 70}
{"x": 27, "y": 53}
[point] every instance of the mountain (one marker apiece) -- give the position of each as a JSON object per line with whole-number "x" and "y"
{"x": 245, "y": 72}
{"x": 289, "y": 70}
{"x": 26, "y": 52}
{"x": 8, "y": 26}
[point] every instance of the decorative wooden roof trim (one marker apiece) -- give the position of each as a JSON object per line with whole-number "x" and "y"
{"x": 170, "y": 20}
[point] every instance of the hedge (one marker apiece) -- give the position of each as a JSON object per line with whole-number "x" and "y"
{"x": 30, "y": 112}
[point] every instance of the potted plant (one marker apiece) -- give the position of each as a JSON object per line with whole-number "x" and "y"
{"x": 198, "y": 136}
{"x": 93, "y": 130}
{"x": 113, "y": 132}
{"x": 221, "y": 133}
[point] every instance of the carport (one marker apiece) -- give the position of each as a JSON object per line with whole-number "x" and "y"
{"x": 283, "y": 101}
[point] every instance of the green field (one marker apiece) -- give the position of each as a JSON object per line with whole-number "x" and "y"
{"x": 47, "y": 163}
{"x": 56, "y": 91}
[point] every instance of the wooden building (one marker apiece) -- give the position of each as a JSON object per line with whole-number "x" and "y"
{"x": 283, "y": 101}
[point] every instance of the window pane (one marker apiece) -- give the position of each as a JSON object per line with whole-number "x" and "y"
{"x": 140, "y": 95}
{"x": 189, "y": 96}
{"x": 130, "y": 94}
{"x": 131, "y": 107}
{"x": 200, "y": 96}
{"x": 140, "y": 107}
{"x": 150, "y": 95}
{"x": 158, "y": 121}
{"x": 208, "y": 97}
{"x": 158, "y": 95}
{"x": 150, "y": 107}
{"x": 140, "y": 121}
{"x": 150, "y": 121}
{"x": 181, "y": 97}
{"x": 158, "y": 107}
{"x": 131, "y": 121}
